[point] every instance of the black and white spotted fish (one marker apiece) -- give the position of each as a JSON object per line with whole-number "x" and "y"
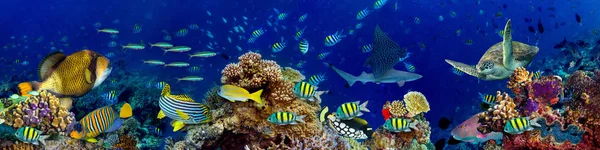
{"x": 355, "y": 128}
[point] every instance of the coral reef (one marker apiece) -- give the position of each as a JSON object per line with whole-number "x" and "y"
{"x": 251, "y": 72}
{"x": 416, "y": 139}
{"x": 549, "y": 136}
{"x": 291, "y": 74}
{"x": 500, "y": 113}
{"x": 416, "y": 103}
{"x": 67, "y": 143}
{"x": 518, "y": 78}
{"x": 126, "y": 142}
{"x": 20, "y": 146}
{"x": 42, "y": 112}
{"x": 546, "y": 89}
{"x": 130, "y": 126}
{"x": 397, "y": 109}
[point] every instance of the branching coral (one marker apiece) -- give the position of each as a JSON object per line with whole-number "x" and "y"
{"x": 291, "y": 74}
{"x": 416, "y": 103}
{"x": 42, "y": 112}
{"x": 251, "y": 72}
{"x": 518, "y": 78}
{"x": 500, "y": 113}
{"x": 397, "y": 109}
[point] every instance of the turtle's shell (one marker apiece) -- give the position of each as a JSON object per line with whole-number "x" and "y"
{"x": 523, "y": 54}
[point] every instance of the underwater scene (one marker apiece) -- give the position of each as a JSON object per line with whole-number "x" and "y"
{"x": 300, "y": 75}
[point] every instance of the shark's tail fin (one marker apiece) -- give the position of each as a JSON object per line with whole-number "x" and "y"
{"x": 348, "y": 77}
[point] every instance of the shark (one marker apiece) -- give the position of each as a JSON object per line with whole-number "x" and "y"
{"x": 389, "y": 76}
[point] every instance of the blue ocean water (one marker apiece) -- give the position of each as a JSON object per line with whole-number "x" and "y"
{"x": 69, "y": 24}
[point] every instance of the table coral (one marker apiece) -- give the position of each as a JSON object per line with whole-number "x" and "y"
{"x": 416, "y": 103}
{"x": 42, "y": 112}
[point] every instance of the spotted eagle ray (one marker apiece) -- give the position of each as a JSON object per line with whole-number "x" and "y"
{"x": 385, "y": 54}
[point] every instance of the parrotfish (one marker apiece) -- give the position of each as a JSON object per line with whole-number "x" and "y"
{"x": 467, "y": 132}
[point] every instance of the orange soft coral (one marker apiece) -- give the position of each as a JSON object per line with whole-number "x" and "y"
{"x": 518, "y": 80}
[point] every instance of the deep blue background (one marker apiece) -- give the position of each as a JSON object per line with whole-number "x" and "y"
{"x": 444, "y": 90}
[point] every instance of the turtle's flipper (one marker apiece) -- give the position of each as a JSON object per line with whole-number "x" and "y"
{"x": 507, "y": 58}
{"x": 471, "y": 70}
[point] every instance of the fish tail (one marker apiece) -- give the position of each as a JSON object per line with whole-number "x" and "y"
{"x": 190, "y": 57}
{"x": 256, "y": 96}
{"x": 144, "y": 61}
{"x": 534, "y": 122}
{"x": 25, "y": 87}
{"x": 165, "y": 51}
{"x": 150, "y": 44}
{"x": 43, "y": 139}
{"x": 166, "y": 90}
{"x": 122, "y": 47}
{"x": 126, "y": 111}
{"x": 98, "y": 30}
{"x": 363, "y": 107}
{"x": 348, "y": 77}
{"x": 300, "y": 119}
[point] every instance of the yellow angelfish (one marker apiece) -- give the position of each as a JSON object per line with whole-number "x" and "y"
{"x": 101, "y": 120}
{"x": 182, "y": 109}
{"x": 235, "y": 93}
{"x": 69, "y": 76}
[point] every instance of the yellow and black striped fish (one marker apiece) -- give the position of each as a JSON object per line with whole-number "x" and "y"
{"x": 30, "y": 135}
{"x": 305, "y": 90}
{"x": 350, "y": 110}
{"x": 182, "y": 109}
{"x": 537, "y": 74}
{"x": 316, "y": 79}
{"x": 284, "y": 118}
{"x": 520, "y": 125}
{"x": 488, "y": 99}
{"x": 399, "y": 125}
{"x": 333, "y": 39}
{"x": 303, "y": 46}
{"x": 99, "y": 121}
{"x": 409, "y": 67}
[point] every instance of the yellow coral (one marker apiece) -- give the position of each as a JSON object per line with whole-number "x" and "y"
{"x": 416, "y": 103}
{"x": 291, "y": 74}
{"x": 503, "y": 111}
{"x": 519, "y": 77}
{"x": 397, "y": 108}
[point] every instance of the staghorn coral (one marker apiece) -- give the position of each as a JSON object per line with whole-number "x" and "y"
{"x": 126, "y": 142}
{"x": 42, "y": 112}
{"x": 291, "y": 74}
{"x": 546, "y": 89}
{"x": 397, "y": 109}
{"x": 416, "y": 103}
{"x": 500, "y": 113}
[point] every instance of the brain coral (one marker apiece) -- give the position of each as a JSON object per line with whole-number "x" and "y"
{"x": 416, "y": 103}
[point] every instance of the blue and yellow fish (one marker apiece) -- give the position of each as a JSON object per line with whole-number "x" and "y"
{"x": 537, "y": 74}
{"x": 468, "y": 42}
{"x": 182, "y": 32}
{"x": 350, "y": 110}
{"x": 285, "y": 118}
{"x": 111, "y": 97}
{"x": 417, "y": 20}
{"x": 487, "y": 98}
{"x": 160, "y": 85}
{"x": 409, "y": 67}
{"x": 299, "y": 33}
{"x": 157, "y": 131}
{"x": 333, "y": 39}
{"x": 316, "y": 79}
{"x": 31, "y": 135}
{"x": 422, "y": 46}
{"x": 399, "y": 125}
{"x": 302, "y": 18}
{"x": 304, "y": 46}
{"x": 457, "y": 72}
{"x": 379, "y": 3}
{"x": 362, "y": 14}
{"x": 323, "y": 55}
{"x": 258, "y": 32}
{"x": 367, "y": 48}
{"x": 520, "y": 125}
{"x": 282, "y": 16}
{"x": 279, "y": 46}
{"x": 458, "y": 32}
{"x": 305, "y": 90}
{"x": 182, "y": 109}
{"x": 193, "y": 69}
{"x": 101, "y": 120}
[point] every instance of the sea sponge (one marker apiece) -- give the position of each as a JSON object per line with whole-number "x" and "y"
{"x": 291, "y": 74}
{"x": 397, "y": 109}
{"x": 416, "y": 103}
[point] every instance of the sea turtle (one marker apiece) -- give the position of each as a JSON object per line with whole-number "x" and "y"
{"x": 500, "y": 60}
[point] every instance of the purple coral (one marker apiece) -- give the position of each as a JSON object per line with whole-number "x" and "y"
{"x": 531, "y": 106}
{"x": 546, "y": 90}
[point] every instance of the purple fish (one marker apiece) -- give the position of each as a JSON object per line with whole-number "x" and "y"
{"x": 467, "y": 132}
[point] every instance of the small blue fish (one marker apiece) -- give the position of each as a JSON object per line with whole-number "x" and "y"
{"x": 137, "y": 28}
{"x": 157, "y": 131}
{"x": 182, "y": 32}
{"x": 302, "y": 18}
{"x": 193, "y": 69}
{"x": 333, "y": 39}
{"x": 160, "y": 85}
{"x": 193, "y": 26}
{"x": 304, "y": 46}
{"x": 279, "y": 46}
{"x": 367, "y": 48}
{"x": 110, "y": 55}
{"x": 316, "y": 79}
{"x": 405, "y": 57}
{"x": 167, "y": 37}
{"x": 110, "y": 97}
{"x": 456, "y": 71}
{"x": 323, "y": 55}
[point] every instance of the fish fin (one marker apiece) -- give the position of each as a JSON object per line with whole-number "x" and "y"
{"x": 165, "y": 51}
{"x": 151, "y": 46}
{"x": 177, "y": 125}
{"x": 115, "y": 126}
{"x": 492, "y": 136}
{"x": 256, "y": 96}
{"x": 91, "y": 140}
{"x": 323, "y": 113}
{"x": 363, "y": 107}
{"x": 183, "y": 97}
{"x": 25, "y": 87}
{"x": 160, "y": 115}
{"x": 348, "y": 77}
{"x": 43, "y": 139}
{"x": 182, "y": 114}
{"x": 88, "y": 76}
{"x": 49, "y": 63}
{"x": 300, "y": 119}
{"x": 413, "y": 125}
{"x": 468, "y": 69}
{"x": 166, "y": 90}
{"x": 534, "y": 122}
{"x": 400, "y": 83}
{"x": 126, "y": 111}
{"x": 66, "y": 102}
